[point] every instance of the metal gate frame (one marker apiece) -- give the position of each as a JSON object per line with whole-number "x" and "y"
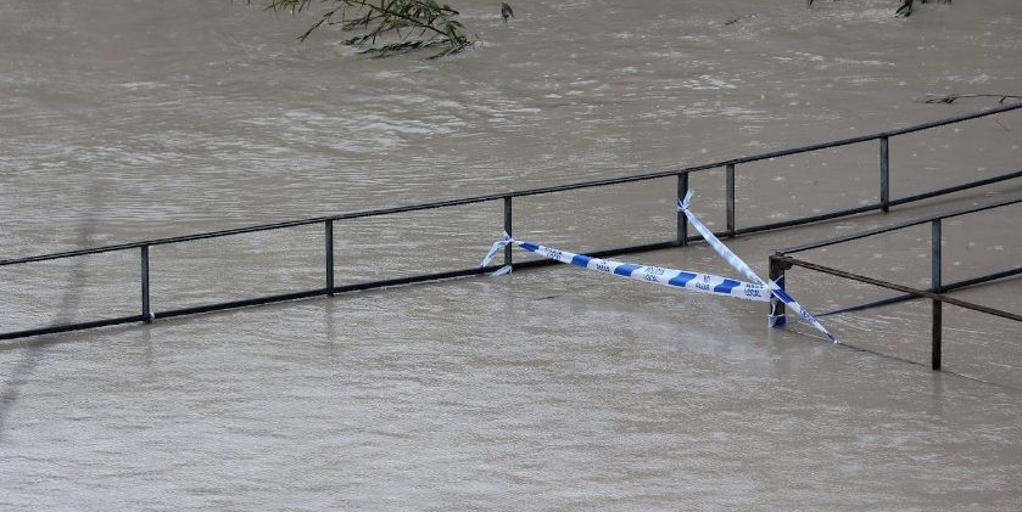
{"x": 937, "y": 293}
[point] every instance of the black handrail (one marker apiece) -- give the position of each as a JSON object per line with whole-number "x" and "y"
{"x": 681, "y": 239}
{"x": 518, "y": 193}
{"x": 900, "y": 225}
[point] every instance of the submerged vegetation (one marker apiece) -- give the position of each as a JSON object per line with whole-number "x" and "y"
{"x": 386, "y": 27}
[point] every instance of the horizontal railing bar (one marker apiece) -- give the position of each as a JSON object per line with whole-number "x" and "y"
{"x": 957, "y": 285}
{"x": 950, "y": 120}
{"x": 874, "y": 136}
{"x": 982, "y": 279}
{"x": 876, "y": 206}
{"x": 400, "y": 281}
{"x": 269, "y": 299}
{"x": 869, "y": 305}
{"x": 56, "y": 329}
{"x": 519, "y": 193}
{"x": 476, "y": 271}
{"x": 235, "y": 304}
{"x": 956, "y": 188}
{"x": 752, "y": 229}
{"x": 346, "y": 216}
{"x": 808, "y": 220}
{"x": 901, "y": 288}
{"x": 655, "y": 246}
{"x": 207, "y": 308}
{"x": 900, "y": 225}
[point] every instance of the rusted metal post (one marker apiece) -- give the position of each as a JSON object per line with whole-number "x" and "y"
{"x": 507, "y": 229}
{"x": 328, "y": 252}
{"x": 730, "y": 177}
{"x": 147, "y": 313}
{"x": 682, "y": 219}
{"x": 935, "y": 285}
{"x": 885, "y": 175}
{"x": 777, "y": 309}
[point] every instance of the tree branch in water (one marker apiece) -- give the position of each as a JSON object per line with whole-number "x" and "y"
{"x": 386, "y": 27}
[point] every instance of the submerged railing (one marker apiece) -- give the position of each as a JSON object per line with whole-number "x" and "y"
{"x": 937, "y": 293}
{"x": 148, "y": 314}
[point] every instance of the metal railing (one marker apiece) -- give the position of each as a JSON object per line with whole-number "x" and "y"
{"x": 782, "y": 261}
{"x": 148, "y": 314}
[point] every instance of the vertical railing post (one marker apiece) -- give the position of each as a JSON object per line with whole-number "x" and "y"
{"x": 885, "y": 175}
{"x": 507, "y": 229}
{"x": 777, "y": 309}
{"x": 682, "y": 219}
{"x": 147, "y": 312}
{"x": 935, "y": 285}
{"x": 328, "y": 252}
{"x": 730, "y": 178}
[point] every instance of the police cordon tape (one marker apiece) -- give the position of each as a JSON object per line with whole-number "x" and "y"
{"x": 695, "y": 281}
{"x": 775, "y": 289}
{"x": 757, "y": 290}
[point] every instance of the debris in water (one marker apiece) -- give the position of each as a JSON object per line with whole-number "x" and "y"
{"x": 951, "y": 98}
{"x": 506, "y": 11}
{"x": 905, "y": 10}
{"x": 732, "y": 21}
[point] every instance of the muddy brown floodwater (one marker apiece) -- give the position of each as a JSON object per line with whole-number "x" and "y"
{"x": 552, "y": 389}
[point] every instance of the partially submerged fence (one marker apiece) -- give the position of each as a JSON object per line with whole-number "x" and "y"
{"x": 937, "y": 293}
{"x": 147, "y": 313}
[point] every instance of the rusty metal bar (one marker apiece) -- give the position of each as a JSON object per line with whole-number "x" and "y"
{"x": 901, "y": 288}
{"x": 945, "y": 287}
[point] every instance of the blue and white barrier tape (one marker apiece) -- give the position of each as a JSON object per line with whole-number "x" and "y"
{"x": 695, "y": 281}
{"x": 742, "y": 267}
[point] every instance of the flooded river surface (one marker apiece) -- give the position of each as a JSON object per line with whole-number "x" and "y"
{"x": 551, "y": 389}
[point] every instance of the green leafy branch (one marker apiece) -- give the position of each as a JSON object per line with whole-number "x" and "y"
{"x": 385, "y": 27}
